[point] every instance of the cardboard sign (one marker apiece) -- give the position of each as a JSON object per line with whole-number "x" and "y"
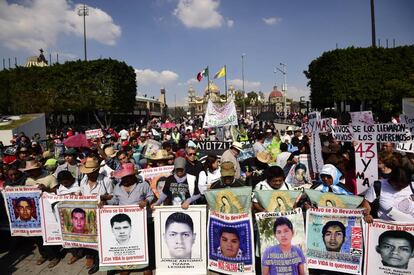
{"x": 92, "y": 134}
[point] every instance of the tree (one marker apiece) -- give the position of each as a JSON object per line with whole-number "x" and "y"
{"x": 355, "y": 75}
{"x": 105, "y": 86}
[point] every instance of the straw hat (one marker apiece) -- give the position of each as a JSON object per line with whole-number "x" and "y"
{"x": 110, "y": 152}
{"x": 237, "y": 145}
{"x": 31, "y": 165}
{"x": 264, "y": 157}
{"x": 160, "y": 155}
{"x": 90, "y": 165}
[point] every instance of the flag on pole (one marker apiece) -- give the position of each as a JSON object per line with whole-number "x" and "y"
{"x": 202, "y": 74}
{"x": 221, "y": 72}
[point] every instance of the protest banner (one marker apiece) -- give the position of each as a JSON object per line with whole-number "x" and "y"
{"x": 230, "y": 243}
{"x": 156, "y": 177}
{"x": 23, "y": 210}
{"x": 366, "y": 156}
{"x": 329, "y": 199}
{"x": 77, "y": 221}
{"x": 229, "y": 200}
{"x": 123, "y": 235}
{"x": 299, "y": 176}
{"x": 334, "y": 239}
{"x": 282, "y": 242}
{"x": 92, "y": 134}
{"x": 219, "y": 116}
{"x": 408, "y": 146}
{"x": 388, "y": 248}
{"x": 50, "y": 218}
{"x": 180, "y": 239}
{"x": 277, "y": 201}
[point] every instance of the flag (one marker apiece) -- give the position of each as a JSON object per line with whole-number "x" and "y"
{"x": 202, "y": 74}
{"x": 221, "y": 72}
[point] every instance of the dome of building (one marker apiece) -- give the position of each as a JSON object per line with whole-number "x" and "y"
{"x": 213, "y": 88}
{"x": 275, "y": 93}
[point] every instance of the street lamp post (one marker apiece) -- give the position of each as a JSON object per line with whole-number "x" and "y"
{"x": 284, "y": 88}
{"x": 244, "y": 93}
{"x": 84, "y": 11}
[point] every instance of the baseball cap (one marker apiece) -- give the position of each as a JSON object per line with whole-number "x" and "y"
{"x": 227, "y": 169}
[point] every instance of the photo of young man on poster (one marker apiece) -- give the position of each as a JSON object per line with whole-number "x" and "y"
{"x": 121, "y": 228}
{"x": 78, "y": 217}
{"x": 25, "y": 210}
{"x": 179, "y": 235}
{"x": 333, "y": 234}
{"x": 229, "y": 243}
{"x": 396, "y": 248}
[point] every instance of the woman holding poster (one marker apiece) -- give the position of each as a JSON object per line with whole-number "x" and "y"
{"x": 284, "y": 257}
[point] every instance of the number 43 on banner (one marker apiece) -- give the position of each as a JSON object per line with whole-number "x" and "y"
{"x": 366, "y": 165}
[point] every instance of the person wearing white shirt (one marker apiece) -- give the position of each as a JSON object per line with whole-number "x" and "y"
{"x": 93, "y": 182}
{"x": 210, "y": 174}
{"x": 67, "y": 184}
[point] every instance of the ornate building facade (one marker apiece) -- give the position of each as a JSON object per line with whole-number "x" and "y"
{"x": 198, "y": 104}
{"x": 277, "y": 99}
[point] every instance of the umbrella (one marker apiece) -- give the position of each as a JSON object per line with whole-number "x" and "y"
{"x": 168, "y": 125}
{"x": 269, "y": 116}
{"x": 78, "y": 140}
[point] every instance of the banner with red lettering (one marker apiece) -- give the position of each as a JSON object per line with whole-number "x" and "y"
{"x": 23, "y": 210}
{"x": 51, "y": 232}
{"x": 230, "y": 243}
{"x": 77, "y": 221}
{"x": 123, "y": 236}
{"x": 334, "y": 239}
{"x": 389, "y": 248}
{"x": 180, "y": 239}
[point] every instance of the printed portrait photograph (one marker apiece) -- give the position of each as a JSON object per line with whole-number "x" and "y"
{"x": 78, "y": 221}
{"x": 389, "y": 251}
{"x": 24, "y": 211}
{"x": 231, "y": 242}
{"x": 180, "y": 235}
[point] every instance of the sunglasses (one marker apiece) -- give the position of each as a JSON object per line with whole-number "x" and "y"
{"x": 191, "y": 154}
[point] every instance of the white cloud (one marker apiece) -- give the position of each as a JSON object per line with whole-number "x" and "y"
{"x": 230, "y": 23}
{"x": 190, "y": 82}
{"x": 201, "y": 14}
{"x": 272, "y": 20}
{"x": 295, "y": 93}
{"x": 148, "y": 77}
{"x": 248, "y": 85}
{"x": 38, "y": 23}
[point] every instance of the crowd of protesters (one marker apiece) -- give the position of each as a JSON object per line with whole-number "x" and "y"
{"x": 108, "y": 168}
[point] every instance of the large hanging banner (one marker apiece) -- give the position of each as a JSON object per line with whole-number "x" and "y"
{"x": 230, "y": 243}
{"x": 277, "y": 201}
{"x": 180, "y": 239}
{"x": 50, "y": 217}
{"x": 366, "y": 156}
{"x": 77, "y": 221}
{"x": 329, "y": 199}
{"x": 23, "y": 210}
{"x": 389, "y": 248}
{"x": 282, "y": 242}
{"x": 123, "y": 235}
{"x": 334, "y": 239}
{"x": 230, "y": 200}
{"x": 156, "y": 177}
{"x": 219, "y": 116}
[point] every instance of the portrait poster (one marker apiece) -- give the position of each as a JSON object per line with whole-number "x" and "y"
{"x": 388, "y": 248}
{"x": 230, "y": 243}
{"x": 180, "y": 239}
{"x": 299, "y": 177}
{"x": 230, "y": 200}
{"x": 156, "y": 177}
{"x": 334, "y": 239}
{"x": 289, "y": 232}
{"x": 23, "y": 210}
{"x": 277, "y": 201}
{"x": 122, "y": 232}
{"x": 329, "y": 199}
{"x": 77, "y": 221}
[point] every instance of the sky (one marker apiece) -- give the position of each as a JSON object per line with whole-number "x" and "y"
{"x": 168, "y": 42}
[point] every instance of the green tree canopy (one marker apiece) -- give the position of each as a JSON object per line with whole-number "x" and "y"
{"x": 382, "y": 76}
{"x": 80, "y": 86}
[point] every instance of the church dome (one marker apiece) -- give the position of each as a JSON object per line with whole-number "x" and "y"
{"x": 275, "y": 93}
{"x": 213, "y": 88}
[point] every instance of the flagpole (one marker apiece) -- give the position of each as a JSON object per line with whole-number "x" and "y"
{"x": 208, "y": 82}
{"x": 225, "y": 80}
